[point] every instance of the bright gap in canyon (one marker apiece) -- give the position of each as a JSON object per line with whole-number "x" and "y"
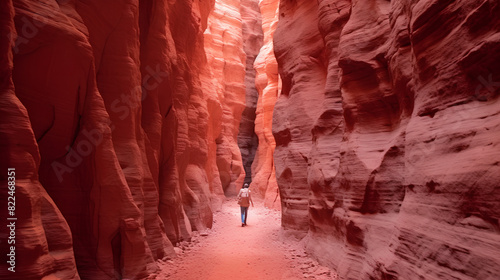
{"x": 368, "y": 132}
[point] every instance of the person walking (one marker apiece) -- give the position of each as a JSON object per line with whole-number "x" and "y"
{"x": 244, "y": 200}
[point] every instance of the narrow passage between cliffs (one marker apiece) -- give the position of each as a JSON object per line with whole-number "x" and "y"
{"x": 228, "y": 251}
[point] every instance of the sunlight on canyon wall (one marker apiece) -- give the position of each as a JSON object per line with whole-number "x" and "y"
{"x": 267, "y": 83}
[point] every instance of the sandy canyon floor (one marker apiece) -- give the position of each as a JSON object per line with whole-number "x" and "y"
{"x": 258, "y": 251}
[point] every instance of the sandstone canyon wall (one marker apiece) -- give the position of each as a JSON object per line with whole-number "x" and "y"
{"x": 79, "y": 166}
{"x": 252, "y": 43}
{"x": 45, "y": 247}
{"x": 225, "y": 87}
{"x": 267, "y": 83}
{"x": 121, "y": 120}
{"x": 387, "y": 135}
{"x": 120, "y": 157}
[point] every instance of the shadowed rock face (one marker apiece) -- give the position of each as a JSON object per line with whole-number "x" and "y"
{"x": 252, "y": 42}
{"x": 387, "y": 135}
{"x": 92, "y": 159}
{"x": 122, "y": 132}
{"x": 43, "y": 242}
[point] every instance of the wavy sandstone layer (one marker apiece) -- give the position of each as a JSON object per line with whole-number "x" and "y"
{"x": 252, "y": 43}
{"x": 267, "y": 84}
{"x": 124, "y": 128}
{"x": 224, "y": 86}
{"x": 42, "y": 242}
{"x": 387, "y": 133}
{"x": 121, "y": 120}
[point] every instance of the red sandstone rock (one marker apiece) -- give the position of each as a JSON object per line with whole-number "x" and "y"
{"x": 402, "y": 159}
{"x": 267, "y": 83}
{"x": 252, "y": 43}
{"x": 299, "y": 55}
{"x": 194, "y": 156}
{"x": 225, "y": 75}
{"x": 386, "y": 131}
{"x": 158, "y": 56}
{"x": 120, "y": 84}
{"x": 39, "y": 235}
{"x": 109, "y": 232}
{"x": 131, "y": 141}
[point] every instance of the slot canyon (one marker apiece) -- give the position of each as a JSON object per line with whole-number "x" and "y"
{"x": 368, "y": 130}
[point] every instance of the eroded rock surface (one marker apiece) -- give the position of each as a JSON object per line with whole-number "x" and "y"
{"x": 224, "y": 86}
{"x": 94, "y": 179}
{"x": 387, "y": 135}
{"x": 302, "y": 71}
{"x": 124, "y": 128}
{"x": 33, "y": 226}
{"x": 252, "y": 43}
{"x": 267, "y": 84}
{"x": 121, "y": 119}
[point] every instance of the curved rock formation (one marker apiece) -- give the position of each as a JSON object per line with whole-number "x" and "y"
{"x": 121, "y": 120}
{"x": 37, "y": 232}
{"x": 158, "y": 58}
{"x": 267, "y": 83}
{"x": 303, "y": 75}
{"x": 188, "y": 123}
{"x": 87, "y": 157}
{"x": 119, "y": 114}
{"x": 225, "y": 90}
{"x": 387, "y": 135}
{"x": 252, "y": 43}
{"x": 121, "y": 85}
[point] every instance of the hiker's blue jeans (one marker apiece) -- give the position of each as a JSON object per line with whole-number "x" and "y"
{"x": 244, "y": 214}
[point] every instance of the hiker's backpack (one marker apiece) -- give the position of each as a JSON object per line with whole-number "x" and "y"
{"x": 244, "y": 201}
{"x": 244, "y": 192}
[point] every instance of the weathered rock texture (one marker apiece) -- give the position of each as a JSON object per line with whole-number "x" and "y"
{"x": 387, "y": 133}
{"x": 104, "y": 203}
{"x": 267, "y": 83}
{"x": 225, "y": 90}
{"x": 122, "y": 134}
{"x": 296, "y": 111}
{"x": 252, "y": 43}
{"x": 188, "y": 125}
{"x": 42, "y": 238}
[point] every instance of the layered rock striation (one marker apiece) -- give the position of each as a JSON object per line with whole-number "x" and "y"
{"x": 303, "y": 72}
{"x": 387, "y": 135}
{"x": 224, "y": 86}
{"x": 267, "y": 84}
{"x": 36, "y": 239}
{"x": 83, "y": 146}
{"x": 121, "y": 121}
{"x": 120, "y": 157}
{"x": 252, "y": 43}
